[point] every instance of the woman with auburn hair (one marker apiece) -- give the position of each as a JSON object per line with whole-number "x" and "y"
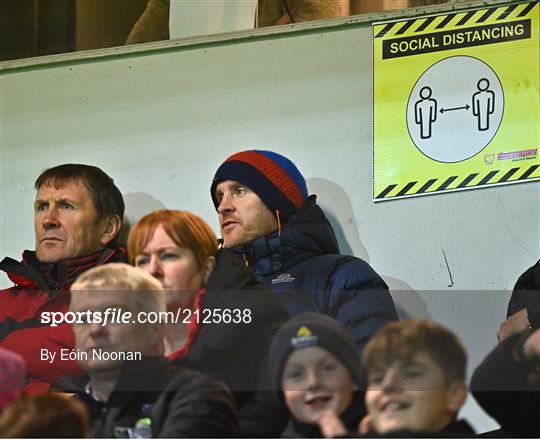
{"x": 224, "y": 320}
{"x": 178, "y": 249}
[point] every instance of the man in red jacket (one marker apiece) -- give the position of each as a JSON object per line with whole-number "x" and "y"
{"x": 78, "y": 213}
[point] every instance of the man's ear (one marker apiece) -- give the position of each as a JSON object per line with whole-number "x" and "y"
{"x": 457, "y": 394}
{"x": 209, "y": 268}
{"x": 112, "y": 227}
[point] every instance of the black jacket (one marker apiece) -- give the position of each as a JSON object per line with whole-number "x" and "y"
{"x": 237, "y": 353}
{"x": 153, "y": 398}
{"x": 303, "y": 267}
{"x": 456, "y": 429}
{"x": 507, "y": 387}
{"x": 526, "y": 295}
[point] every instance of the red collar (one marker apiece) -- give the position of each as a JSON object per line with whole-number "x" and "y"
{"x": 59, "y": 276}
{"x": 193, "y": 327}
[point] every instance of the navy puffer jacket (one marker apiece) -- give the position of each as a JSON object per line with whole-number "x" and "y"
{"x": 304, "y": 268}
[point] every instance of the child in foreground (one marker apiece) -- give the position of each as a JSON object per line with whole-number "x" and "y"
{"x": 315, "y": 367}
{"x": 416, "y": 384}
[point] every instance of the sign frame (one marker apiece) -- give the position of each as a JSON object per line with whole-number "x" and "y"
{"x": 405, "y": 159}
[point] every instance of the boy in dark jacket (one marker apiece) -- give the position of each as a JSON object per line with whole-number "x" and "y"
{"x": 415, "y": 374}
{"x": 266, "y": 216}
{"x": 314, "y": 367}
{"x": 131, "y": 390}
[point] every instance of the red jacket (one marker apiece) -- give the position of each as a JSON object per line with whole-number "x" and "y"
{"x": 43, "y": 288}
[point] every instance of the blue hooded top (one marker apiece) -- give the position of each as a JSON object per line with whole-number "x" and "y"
{"x": 303, "y": 266}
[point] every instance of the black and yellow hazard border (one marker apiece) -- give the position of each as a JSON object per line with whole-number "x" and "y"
{"x": 505, "y": 38}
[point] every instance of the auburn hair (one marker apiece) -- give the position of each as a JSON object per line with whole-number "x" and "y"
{"x": 184, "y": 228}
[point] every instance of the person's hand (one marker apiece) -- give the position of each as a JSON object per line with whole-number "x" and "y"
{"x": 516, "y": 323}
{"x": 330, "y": 425}
{"x": 531, "y": 347}
{"x": 365, "y": 425}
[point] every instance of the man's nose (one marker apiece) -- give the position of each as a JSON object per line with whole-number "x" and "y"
{"x": 225, "y": 204}
{"x": 96, "y": 328}
{"x": 50, "y": 219}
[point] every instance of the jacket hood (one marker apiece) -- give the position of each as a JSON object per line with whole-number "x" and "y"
{"x": 230, "y": 273}
{"x": 307, "y": 234}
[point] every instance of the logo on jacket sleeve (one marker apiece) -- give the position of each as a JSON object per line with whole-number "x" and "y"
{"x": 283, "y": 278}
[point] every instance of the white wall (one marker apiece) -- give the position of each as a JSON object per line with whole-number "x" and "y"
{"x": 161, "y": 121}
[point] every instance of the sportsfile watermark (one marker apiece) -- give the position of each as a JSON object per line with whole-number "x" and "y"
{"x": 110, "y": 325}
{"x": 117, "y": 315}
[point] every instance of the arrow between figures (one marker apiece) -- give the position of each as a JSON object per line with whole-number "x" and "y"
{"x": 467, "y": 107}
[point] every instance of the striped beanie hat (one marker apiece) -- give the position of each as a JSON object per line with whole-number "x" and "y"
{"x": 273, "y": 177}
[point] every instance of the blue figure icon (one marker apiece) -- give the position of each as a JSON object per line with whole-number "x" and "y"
{"x": 425, "y": 112}
{"x": 483, "y": 104}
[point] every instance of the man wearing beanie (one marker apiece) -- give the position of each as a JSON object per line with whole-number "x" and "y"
{"x": 266, "y": 216}
{"x": 314, "y": 367}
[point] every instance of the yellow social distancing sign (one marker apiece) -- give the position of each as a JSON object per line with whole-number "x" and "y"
{"x": 456, "y": 101}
